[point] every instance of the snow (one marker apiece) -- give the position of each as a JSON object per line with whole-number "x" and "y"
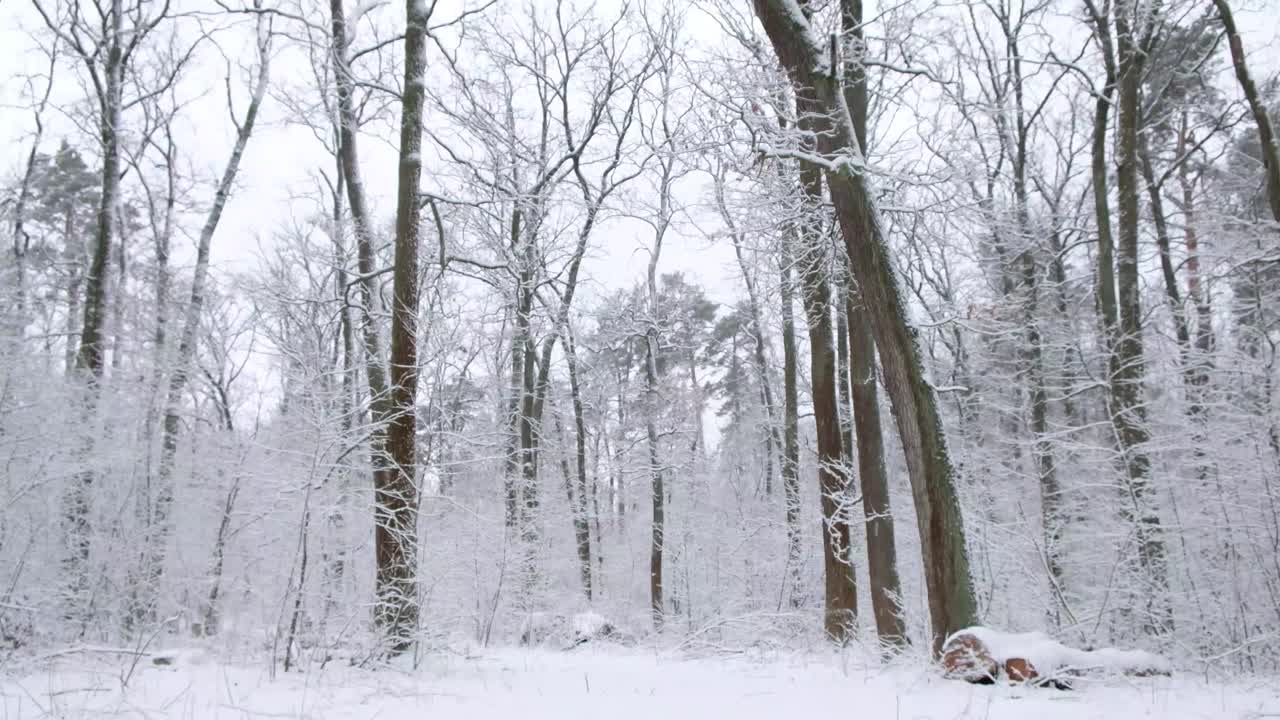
{"x": 588, "y": 624}
{"x": 364, "y": 7}
{"x": 555, "y": 630}
{"x": 1048, "y": 656}
{"x": 586, "y": 683}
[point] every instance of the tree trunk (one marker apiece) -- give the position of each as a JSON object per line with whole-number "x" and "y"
{"x": 336, "y": 563}
{"x": 520, "y": 320}
{"x": 952, "y": 605}
{"x": 791, "y": 437}
{"x": 581, "y": 520}
{"x": 1052, "y": 516}
{"x": 526, "y": 432}
{"x": 843, "y": 407}
{"x": 882, "y": 549}
{"x": 840, "y": 599}
{"x": 219, "y": 553}
{"x": 89, "y": 357}
{"x": 1266, "y": 132}
{"x": 652, "y": 398}
{"x": 1202, "y": 357}
{"x": 396, "y": 500}
{"x": 73, "y": 256}
{"x": 773, "y": 438}
{"x": 380, "y": 409}
{"x": 121, "y": 252}
{"x": 1129, "y": 373}
{"x": 157, "y": 541}
{"x": 657, "y": 489}
{"x": 21, "y": 239}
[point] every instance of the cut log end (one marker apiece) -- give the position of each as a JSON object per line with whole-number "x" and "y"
{"x": 1019, "y": 670}
{"x": 965, "y": 657}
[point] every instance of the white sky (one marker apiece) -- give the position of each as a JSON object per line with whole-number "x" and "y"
{"x": 281, "y": 164}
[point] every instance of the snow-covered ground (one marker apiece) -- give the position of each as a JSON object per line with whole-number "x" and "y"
{"x": 589, "y": 683}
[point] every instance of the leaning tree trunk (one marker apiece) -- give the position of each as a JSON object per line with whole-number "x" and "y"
{"x": 952, "y": 605}
{"x": 396, "y": 499}
{"x": 380, "y": 409}
{"x": 535, "y": 392}
{"x": 1266, "y": 132}
{"x": 156, "y": 543}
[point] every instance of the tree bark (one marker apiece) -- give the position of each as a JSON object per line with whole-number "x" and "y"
{"x": 882, "y": 548}
{"x": 652, "y": 398}
{"x": 843, "y": 407}
{"x": 581, "y": 520}
{"x": 950, "y": 587}
{"x": 1129, "y": 373}
{"x": 90, "y": 356}
{"x": 348, "y": 127}
{"x": 791, "y": 436}
{"x": 1204, "y": 336}
{"x": 396, "y": 500}
{"x": 840, "y": 599}
{"x": 336, "y": 563}
{"x": 882, "y": 552}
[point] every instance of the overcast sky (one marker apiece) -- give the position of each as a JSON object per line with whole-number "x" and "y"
{"x": 282, "y": 160}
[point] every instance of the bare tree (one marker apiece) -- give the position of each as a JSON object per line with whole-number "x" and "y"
{"x": 22, "y": 238}
{"x": 159, "y": 522}
{"x": 816, "y": 74}
{"x": 107, "y": 44}
{"x": 1118, "y": 287}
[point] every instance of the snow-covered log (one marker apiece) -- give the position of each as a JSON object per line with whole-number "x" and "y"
{"x": 572, "y": 631}
{"x": 981, "y": 655}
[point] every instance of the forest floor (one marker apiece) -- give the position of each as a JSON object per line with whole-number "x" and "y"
{"x": 594, "y": 683}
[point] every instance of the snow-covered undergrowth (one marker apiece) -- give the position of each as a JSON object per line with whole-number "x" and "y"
{"x": 595, "y": 683}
